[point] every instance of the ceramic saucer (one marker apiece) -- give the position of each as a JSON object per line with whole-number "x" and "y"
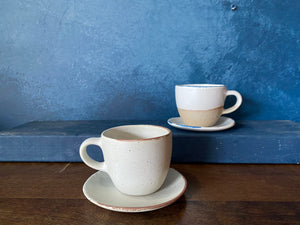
{"x": 100, "y": 190}
{"x": 222, "y": 124}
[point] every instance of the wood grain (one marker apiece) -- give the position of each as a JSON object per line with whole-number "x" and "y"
{"x": 51, "y": 193}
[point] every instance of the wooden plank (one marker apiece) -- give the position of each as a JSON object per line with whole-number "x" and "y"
{"x": 51, "y": 193}
{"x": 79, "y": 211}
{"x": 207, "y": 182}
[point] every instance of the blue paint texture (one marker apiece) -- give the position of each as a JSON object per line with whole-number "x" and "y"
{"x": 250, "y": 141}
{"x": 86, "y": 60}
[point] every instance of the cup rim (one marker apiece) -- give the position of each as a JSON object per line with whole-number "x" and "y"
{"x": 138, "y": 139}
{"x": 200, "y": 85}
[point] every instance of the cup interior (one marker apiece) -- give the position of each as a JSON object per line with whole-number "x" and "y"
{"x": 201, "y": 85}
{"x": 136, "y": 132}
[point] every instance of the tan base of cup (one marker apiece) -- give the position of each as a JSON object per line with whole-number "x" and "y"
{"x": 200, "y": 118}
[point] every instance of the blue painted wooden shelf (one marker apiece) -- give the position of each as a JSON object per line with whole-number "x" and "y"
{"x": 248, "y": 142}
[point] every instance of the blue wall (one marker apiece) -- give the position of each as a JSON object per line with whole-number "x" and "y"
{"x": 120, "y": 59}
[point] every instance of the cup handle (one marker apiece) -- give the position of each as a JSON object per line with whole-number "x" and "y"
{"x": 86, "y": 158}
{"x": 238, "y": 103}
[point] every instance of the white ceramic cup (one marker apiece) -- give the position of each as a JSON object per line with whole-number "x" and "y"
{"x": 202, "y": 105}
{"x": 136, "y": 157}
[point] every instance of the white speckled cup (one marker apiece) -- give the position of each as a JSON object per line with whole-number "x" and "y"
{"x": 136, "y": 157}
{"x": 202, "y": 105}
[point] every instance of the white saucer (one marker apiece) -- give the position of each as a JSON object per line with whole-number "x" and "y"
{"x": 100, "y": 190}
{"x": 222, "y": 124}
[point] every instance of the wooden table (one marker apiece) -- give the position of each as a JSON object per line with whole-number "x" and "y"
{"x": 51, "y": 193}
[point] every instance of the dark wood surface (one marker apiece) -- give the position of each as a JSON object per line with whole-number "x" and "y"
{"x": 51, "y": 193}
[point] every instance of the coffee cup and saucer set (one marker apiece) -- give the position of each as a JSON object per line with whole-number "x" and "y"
{"x": 135, "y": 175}
{"x": 200, "y": 107}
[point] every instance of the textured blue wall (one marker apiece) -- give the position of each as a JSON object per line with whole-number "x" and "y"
{"x": 120, "y": 59}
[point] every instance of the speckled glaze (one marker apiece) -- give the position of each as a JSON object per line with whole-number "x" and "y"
{"x": 100, "y": 190}
{"x": 202, "y": 105}
{"x": 136, "y": 157}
